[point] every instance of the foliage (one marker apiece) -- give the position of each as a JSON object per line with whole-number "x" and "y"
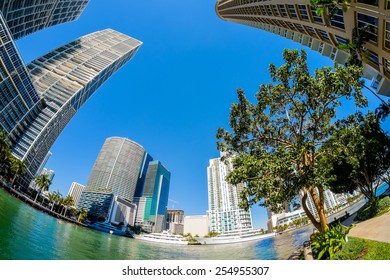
{"x": 360, "y": 155}
{"x": 329, "y": 8}
{"x": 212, "y": 234}
{"x": 373, "y": 208}
{"x": 43, "y": 181}
{"x": 355, "y": 46}
{"x": 82, "y": 215}
{"x": 351, "y": 250}
{"x": 325, "y": 244}
{"x": 276, "y": 143}
{"x": 10, "y": 167}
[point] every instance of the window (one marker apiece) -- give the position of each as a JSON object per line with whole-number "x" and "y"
{"x": 293, "y": 13}
{"x": 324, "y": 35}
{"x": 341, "y": 40}
{"x": 283, "y": 10}
{"x": 372, "y": 22}
{"x": 369, "y": 2}
{"x": 338, "y": 19}
{"x": 373, "y": 57}
{"x": 387, "y": 35}
{"x": 387, "y": 66}
{"x": 303, "y": 12}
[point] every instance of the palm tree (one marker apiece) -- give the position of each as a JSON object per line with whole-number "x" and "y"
{"x": 67, "y": 202}
{"x": 82, "y": 215}
{"x": 43, "y": 182}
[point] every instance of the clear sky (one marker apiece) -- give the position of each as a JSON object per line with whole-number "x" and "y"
{"x": 172, "y": 96}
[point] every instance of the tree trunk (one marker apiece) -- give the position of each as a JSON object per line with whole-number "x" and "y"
{"x": 320, "y": 208}
{"x": 307, "y": 211}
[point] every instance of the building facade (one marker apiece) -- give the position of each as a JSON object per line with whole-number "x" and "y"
{"x": 66, "y": 78}
{"x": 97, "y": 203}
{"x": 118, "y": 167}
{"x": 224, "y": 211}
{"x": 197, "y": 225}
{"x": 175, "y": 221}
{"x": 298, "y": 21}
{"x": 75, "y": 192}
{"x": 155, "y": 196}
{"x": 27, "y": 16}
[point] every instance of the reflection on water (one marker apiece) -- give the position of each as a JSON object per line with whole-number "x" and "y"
{"x": 26, "y": 233}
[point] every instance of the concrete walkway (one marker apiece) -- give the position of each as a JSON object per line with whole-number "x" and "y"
{"x": 377, "y": 228}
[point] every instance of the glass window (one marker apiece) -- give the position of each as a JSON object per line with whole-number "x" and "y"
{"x": 303, "y": 12}
{"x": 283, "y": 10}
{"x": 369, "y": 2}
{"x": 373, "y": 57}
{"x": 341, "y": 40}
{"x": 387, "y": 66}
{"x": 291, "y": 9}
{"x": 338, "y": 20}
{"x": 372, "y": 22}
{"x": 387, "y": 35}
{"x": 316, "y": 17}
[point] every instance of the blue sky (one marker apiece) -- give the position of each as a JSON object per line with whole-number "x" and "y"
{"x": 172, "y": 96}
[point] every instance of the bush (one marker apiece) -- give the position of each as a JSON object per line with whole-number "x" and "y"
{"x": 372, "y": 208}
{"x": 350, "y": 250}
{"x": 325, "y": 244}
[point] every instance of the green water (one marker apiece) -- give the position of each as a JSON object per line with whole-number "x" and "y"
{"x": 28, "y": 234}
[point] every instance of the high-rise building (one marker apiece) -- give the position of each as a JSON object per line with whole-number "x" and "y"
{"x": 118, "y": 167}
{"x": 225, "y": 214}
{"x": 27, "y": 16}
{"x": 66, "y": 78}
{"x": 298, "y": 21}
{"x": 154, "y": 197}
{"x": 37, "y": 101}
{"x": 75, "y": 192}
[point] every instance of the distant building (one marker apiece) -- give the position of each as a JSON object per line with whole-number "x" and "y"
{"x": 154, "y": 196}
{"x": 175, "y": 221}
{"x": 75, "y": 192}
{"x": 197, "y": 225}
{"x": 224, "y": 199}
{"x": 117, "y": 167}
{"x": 287, "y": 218}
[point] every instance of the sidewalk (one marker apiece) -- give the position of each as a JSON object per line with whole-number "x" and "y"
{"x": 377, "y": 228}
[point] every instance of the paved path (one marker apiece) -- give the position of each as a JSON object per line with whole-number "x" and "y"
{"x": 377, "y": 228}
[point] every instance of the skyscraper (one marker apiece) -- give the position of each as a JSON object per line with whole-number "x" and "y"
{"x": 298, "y": 21}
{"x": 75, "y": 192}
{"x": 154, "y": 199}
{"x": 225, "y": 213}
{"x": 118, "y": 167}
{"x": 27, "y": 16}
{"x": 36, "y": 102}
{"x": 66, "y": 78}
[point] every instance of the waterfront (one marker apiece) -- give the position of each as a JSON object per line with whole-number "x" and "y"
{"x": 28, "y": 234}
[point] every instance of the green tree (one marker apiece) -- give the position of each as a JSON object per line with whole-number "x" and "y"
{"x": 360, "y": 155}
{"x": 329, "y": 8}
{"x": 67, "y": 203}
{"x": 355, "y": 46}
{"x": 82, "y": 215}
{"x": 43, "y": 182}
{"x": 277, "y": 142}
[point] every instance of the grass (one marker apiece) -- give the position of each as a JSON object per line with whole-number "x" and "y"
{"x": 362, "y": 249}
{"x": 371, "y": 210}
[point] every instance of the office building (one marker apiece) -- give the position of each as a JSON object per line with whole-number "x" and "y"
{"x": 118, "y": 167}
{"x": 123, "y": 212}
{"x": 154, "y": 197}
{"x": 75, "y": 192}
{"x": 224, "y": 211}
{"x": 27, "y": 16}
{"x": 66, "y": 78}
{"x": 298, "y": 21}
{"x": 98, "y": 204}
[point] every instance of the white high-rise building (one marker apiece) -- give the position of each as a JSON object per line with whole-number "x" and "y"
{"x": 224, "y": 212}
{"x": 75, "y": 192}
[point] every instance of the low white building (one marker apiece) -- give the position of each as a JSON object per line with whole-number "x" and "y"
{"x": 288, "y": 217}
{"x": 196, "y": 225}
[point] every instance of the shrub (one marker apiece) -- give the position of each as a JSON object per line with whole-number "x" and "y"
{"x": 325, "y": 244}
{"x": 372, "y": 208}
{"x": 350, "y": 250}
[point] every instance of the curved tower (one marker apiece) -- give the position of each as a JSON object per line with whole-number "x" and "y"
{"x": 298, "y": 21}
{"x": 117, "y": 167}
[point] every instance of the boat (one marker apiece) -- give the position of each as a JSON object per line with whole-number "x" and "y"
{"x": 163, "y": 237}
{"x": 235, "y": 237}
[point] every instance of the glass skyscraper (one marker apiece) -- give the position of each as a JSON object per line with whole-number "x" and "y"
{"x": 27, "y": 16}
{"x": 37, "y": 101}
{"x": 225, "y": 214}
{"x": 298, "y": 21}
